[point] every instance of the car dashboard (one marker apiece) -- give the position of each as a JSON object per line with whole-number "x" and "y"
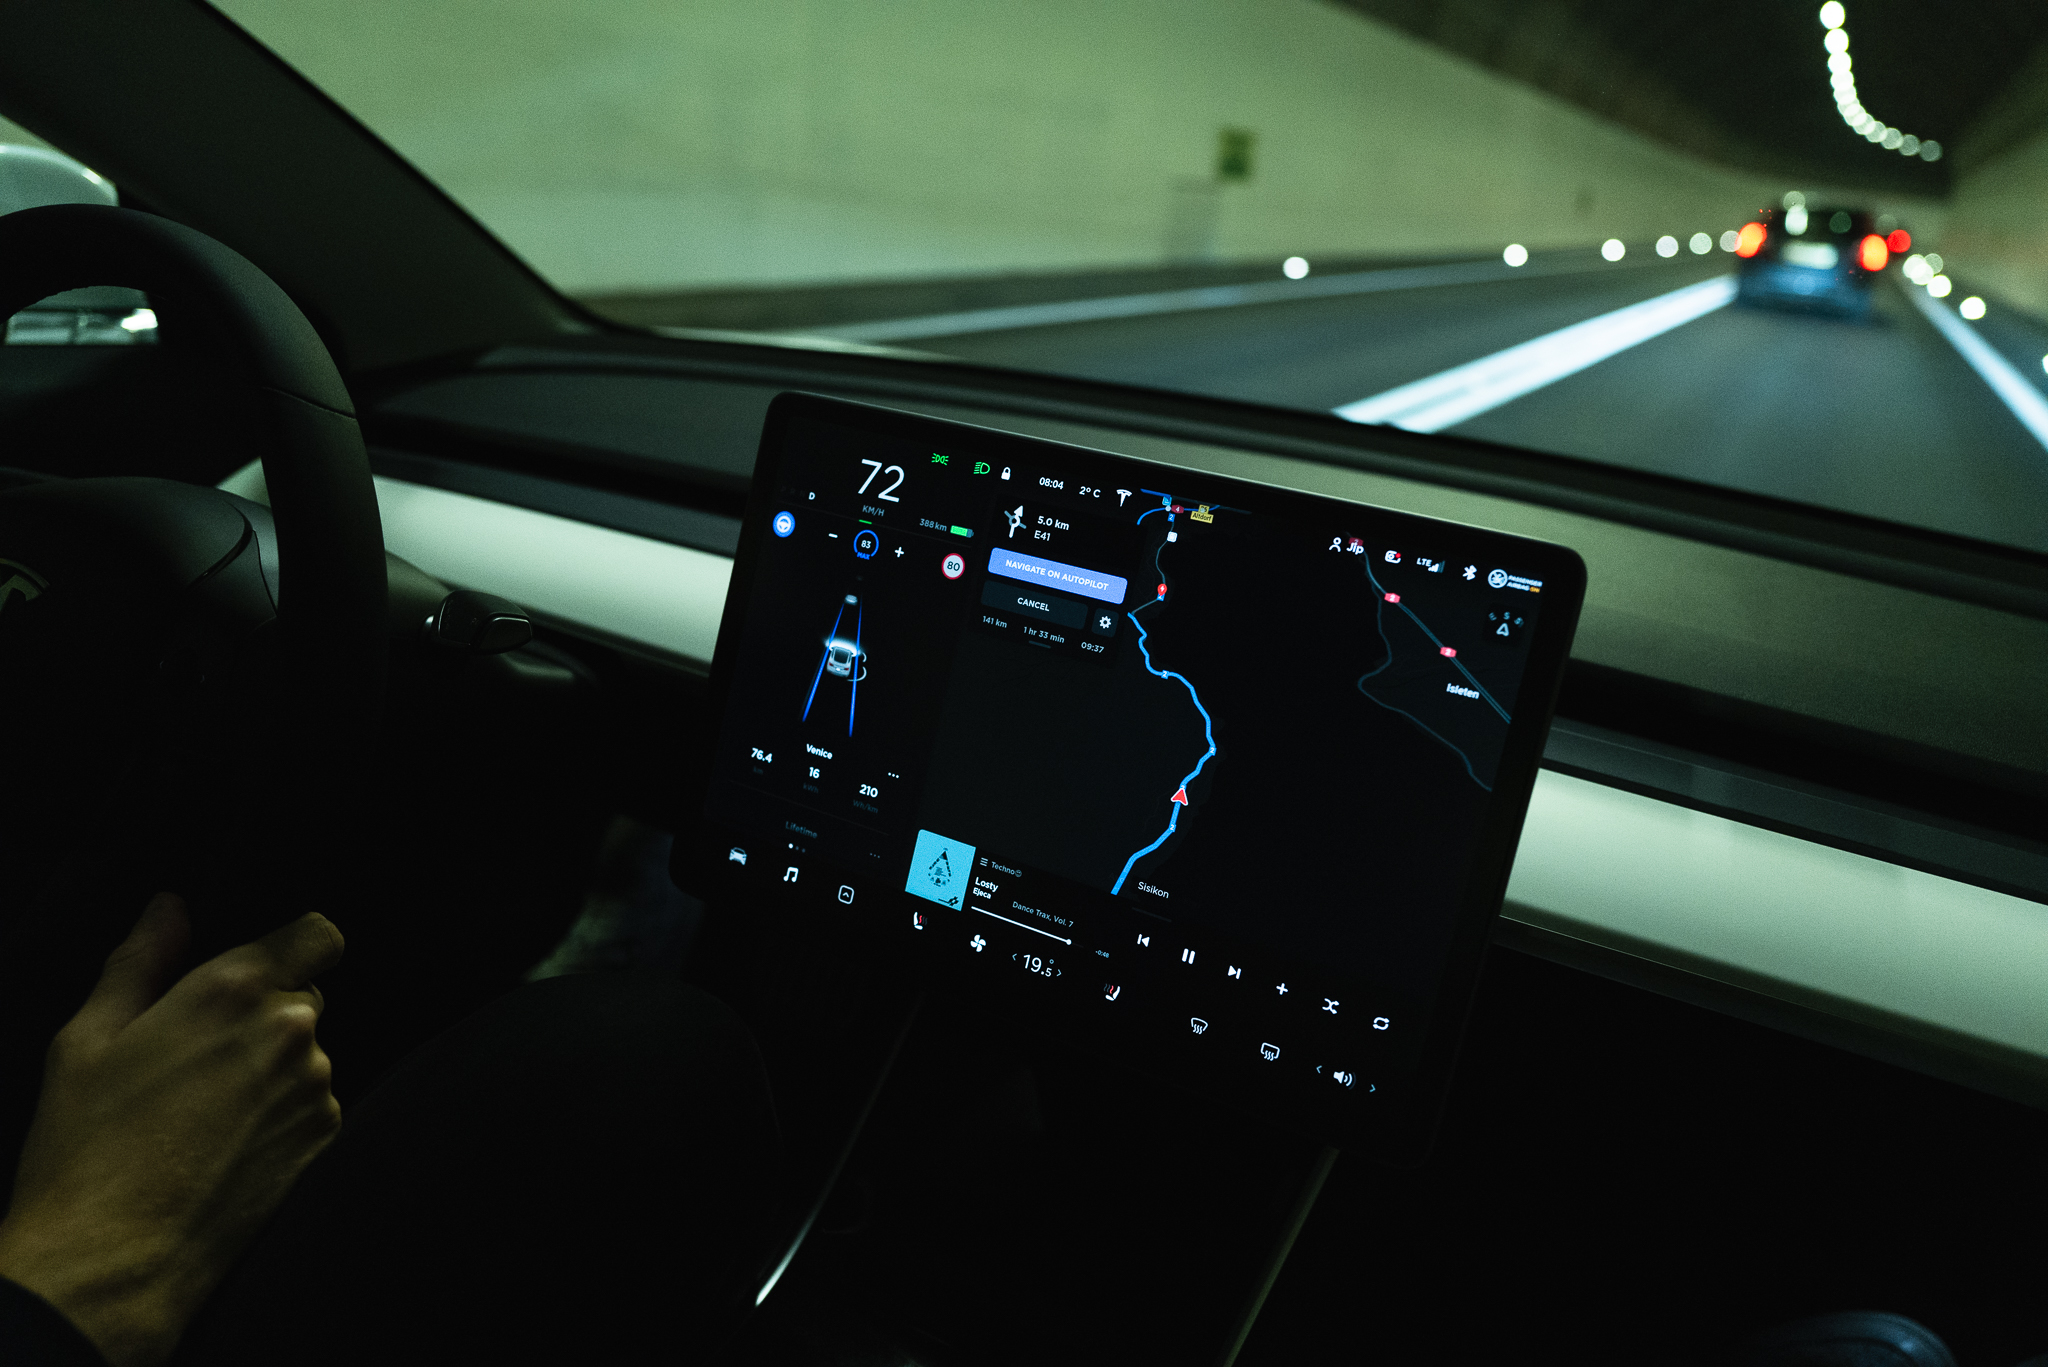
{"x": 1742, "y": 805}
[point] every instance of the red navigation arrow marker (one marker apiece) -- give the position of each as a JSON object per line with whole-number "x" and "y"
{"x": 1180, "y": 795}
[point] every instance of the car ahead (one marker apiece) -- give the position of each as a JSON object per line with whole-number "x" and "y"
{"x": 1818, "y": 260}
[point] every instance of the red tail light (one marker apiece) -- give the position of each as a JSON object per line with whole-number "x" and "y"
{"x": 1871, "y": 253}
{"x": 1899, "y": 241}
{"x": 1750, "y": 240}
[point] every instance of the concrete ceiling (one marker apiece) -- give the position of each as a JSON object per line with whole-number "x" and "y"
{"x": 1745, "y": 83}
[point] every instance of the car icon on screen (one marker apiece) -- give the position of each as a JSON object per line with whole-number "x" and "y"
{"x": 840, "y": 658}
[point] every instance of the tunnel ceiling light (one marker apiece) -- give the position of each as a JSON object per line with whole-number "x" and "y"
{"x": 1667, "y": 246}
{"x": 1701, "y": 244}
{"x": 1516, "y": 254}
{"x": 1612, "y": 249}
{"x": 1971, "y": 308}
{"x": 1842, "y": 76}
{"x": 1294, "y": 267}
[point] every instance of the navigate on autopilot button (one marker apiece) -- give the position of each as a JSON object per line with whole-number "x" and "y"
{"x": 1056, "y": 574}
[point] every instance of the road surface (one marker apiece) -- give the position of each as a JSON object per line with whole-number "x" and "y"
{"x": 1885, "y": 418}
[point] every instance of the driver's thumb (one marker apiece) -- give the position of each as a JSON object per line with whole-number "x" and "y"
{"x": 141, "y": 966}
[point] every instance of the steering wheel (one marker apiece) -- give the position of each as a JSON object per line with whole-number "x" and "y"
{"x": 186, "y": 699}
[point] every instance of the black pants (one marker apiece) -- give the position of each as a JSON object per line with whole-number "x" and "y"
{"x": 581, "y": 1172}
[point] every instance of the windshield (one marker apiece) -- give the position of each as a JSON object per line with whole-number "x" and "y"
{"x": 1791, "y": 249}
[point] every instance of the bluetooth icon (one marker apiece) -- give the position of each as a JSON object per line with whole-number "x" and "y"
{"x": 1471, "y": 572}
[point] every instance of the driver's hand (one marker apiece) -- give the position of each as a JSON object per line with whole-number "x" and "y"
{"x": 171, "y": 1124}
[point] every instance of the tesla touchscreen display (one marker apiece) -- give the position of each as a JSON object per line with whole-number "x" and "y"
{"x": 1195, "y": 764}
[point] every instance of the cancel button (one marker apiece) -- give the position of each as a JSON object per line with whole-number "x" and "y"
{"x": 1030, "y": 602}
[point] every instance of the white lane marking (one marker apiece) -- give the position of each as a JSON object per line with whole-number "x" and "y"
{"x": 1451, "y": 396}
{"x": 2012, "y": 388}
{"x": 1184, "y": 301}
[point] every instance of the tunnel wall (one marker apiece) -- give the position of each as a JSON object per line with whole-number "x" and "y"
{"x": 1996, "y": 235}
{"x": 623, "y": 144}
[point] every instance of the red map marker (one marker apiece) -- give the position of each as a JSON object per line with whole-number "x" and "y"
{"x": 1180, "y": 795}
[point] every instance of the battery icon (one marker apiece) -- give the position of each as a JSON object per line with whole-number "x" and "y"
{"x": 963, "y": 531}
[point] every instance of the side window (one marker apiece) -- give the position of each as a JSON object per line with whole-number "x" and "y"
{"x": 34, "y": 174}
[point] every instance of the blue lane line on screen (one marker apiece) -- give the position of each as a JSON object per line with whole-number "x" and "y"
{"x": 859, "y": 662}
{"x": 1451, "y": 396}
{"x": 830, "y": 637}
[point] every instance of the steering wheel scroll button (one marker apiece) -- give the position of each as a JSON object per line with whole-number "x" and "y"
{"x": 784, "y": 524}
{"x": 482, "y": 623}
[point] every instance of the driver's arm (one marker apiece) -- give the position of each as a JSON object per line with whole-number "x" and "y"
{"x": 171, "y": 1124}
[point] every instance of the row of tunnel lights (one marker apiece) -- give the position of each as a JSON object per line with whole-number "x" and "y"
{"x": 1744, "y": 241}
{"x": 1842, "y": 75}
{"x": 1873, "y": 253}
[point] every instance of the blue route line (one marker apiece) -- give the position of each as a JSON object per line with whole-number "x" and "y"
{"x": 1208, "y": 732}
{"x": 1166, "y": 506}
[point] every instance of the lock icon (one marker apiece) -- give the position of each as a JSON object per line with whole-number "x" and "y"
{"x": 1006, "y": 472}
